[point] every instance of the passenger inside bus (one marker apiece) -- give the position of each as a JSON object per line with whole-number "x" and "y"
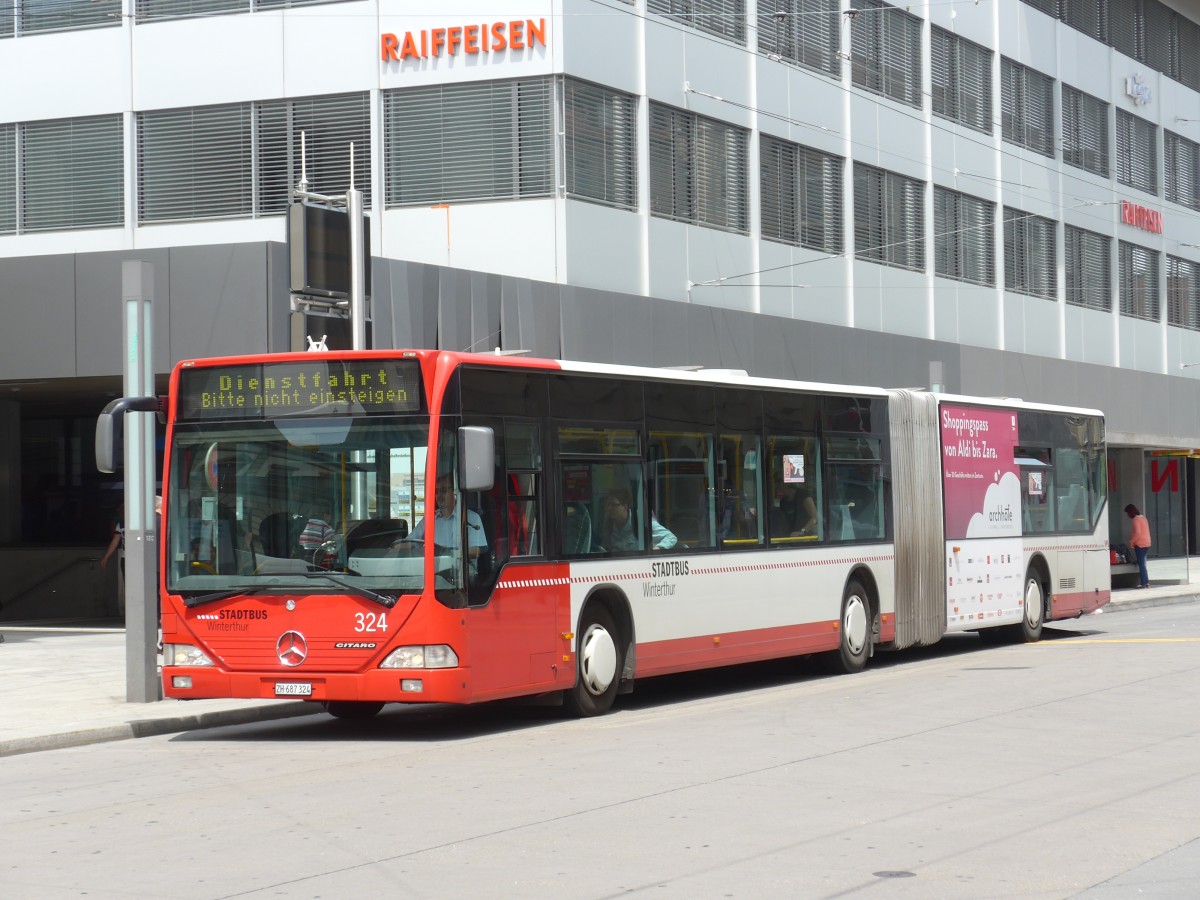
{"x": 620, "y": 531}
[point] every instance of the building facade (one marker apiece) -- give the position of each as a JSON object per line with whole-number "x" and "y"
{"x": 1001, "y": 198}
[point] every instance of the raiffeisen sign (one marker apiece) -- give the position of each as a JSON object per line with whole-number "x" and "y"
{"x": 487, "y": 38}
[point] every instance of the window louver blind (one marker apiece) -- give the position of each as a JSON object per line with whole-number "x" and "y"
{"x": 1088, "y": 277}
{"x": 888, "y": 218}
{"x": 808, "y": 32}
{"x": 1030, "y": 254}
{"x": 1181, "y": 159}
{"x": 8, "y": 17}
{"x": 329, "y": 124}
{"x": 72, "y": 174}
{"x": 289, "y": 4}
{"x": 1088, "y": 16}
{"x": 8, "y": 179}
{"x": 150, "y": 10}
{"x": 1159, "y": 37}
{"x": 1137, "y": 152}
{"x": 961, "y": 79}
{"x": 697, "y": 170}
{"x": 1085, "y": 131}
{"x": 722, "y": 190}
{"x": 1049, "y": 7}
{"x": 466, "y": 142}
{"x": 1185, "y": 62}
{"x": 1127, "y": 27}
{"x": 801, "y": 195}
{"x": 1139, "y": 281}
{"x": 195, "y": 163}
{"x": 601, "y": 144}
{"x": 963, "y": 226}
{"x": 885, "y": 44}
{"x": 62, "y": 15}
{"x": 1027, "y": 107}
{"x": 1183, "y": 293}
{"x": 726, "y": 18}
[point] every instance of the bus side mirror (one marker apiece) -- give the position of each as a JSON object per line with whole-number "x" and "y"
{"x": 476, "y": 458}
{"x": 110, "y": 431}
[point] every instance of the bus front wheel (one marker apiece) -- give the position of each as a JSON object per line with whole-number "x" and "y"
{"x": 352, "y": 709}
{"x": 598, "y": 664}
{"x": 855, "y": 628}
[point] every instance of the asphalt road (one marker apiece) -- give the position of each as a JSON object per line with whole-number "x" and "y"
{"x": 1063, "y": 769}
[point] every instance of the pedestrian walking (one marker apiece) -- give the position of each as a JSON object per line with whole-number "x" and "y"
{"x": 1139, "y": 540}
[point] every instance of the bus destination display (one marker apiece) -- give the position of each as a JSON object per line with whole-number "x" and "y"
{"x": 323, "y": 387}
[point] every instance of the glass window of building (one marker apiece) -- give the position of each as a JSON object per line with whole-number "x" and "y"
{"x": 1183, "y": 293}
{"x": 801, "y": 195}
{"x": 1137, "y": 152}
{"x": 1181, "y": 162}
{"x": 885, "y": 51}
{"x": 1049, "y": 7}
{"x": 1138, "y": 273}
{"x": 1030, "y": 254}
{"x": 489, "y": 140}
{"x": 149, "y": 10}
{"x": 963, "y": 237}
{"x": 195, "y": 163}
{"x": 1085, "y": 131}
{"x": 1027, "y": 107}
{"x": 889, "y": 218}
{"x": 961, "y": 79}
{"x": 1185, "y": 62}
{"x": 330, "y": 125}
{"x": 72, "y": 174}
{"x": 60, "y": 15}
{"x": 1088, "y": 275}
{"x": 807, "y": 32}
{"x": 698, "y": 170}
{"x": 600, "y": 129}
{"x": 726, "y": 18}
{"x": 8, "y": 179}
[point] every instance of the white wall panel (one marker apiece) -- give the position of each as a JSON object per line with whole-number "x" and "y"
{"x": 199, "y": 62}
{"x": 516, "y": 238}
{"x": 59, "y": 76}
{"x": 330, "y": 49}
{"x": 600, "y": 42}
{"x": 603, "y": 247}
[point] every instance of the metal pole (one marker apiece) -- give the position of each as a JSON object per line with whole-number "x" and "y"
{"x": 358, "y": 294}
{"x": 141, "y": 538}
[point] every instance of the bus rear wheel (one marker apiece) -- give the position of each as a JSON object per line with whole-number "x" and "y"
{"x": 855, "y": 628}
{"x": 352, "y": 709}
{"x": 1030, "y": 629}
{"x": 598, "y": 664}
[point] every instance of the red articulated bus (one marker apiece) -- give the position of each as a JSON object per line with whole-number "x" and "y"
{"x": 359, "y": 528}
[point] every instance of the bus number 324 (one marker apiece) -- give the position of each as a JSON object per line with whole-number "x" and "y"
{"x": 370, "y": 622}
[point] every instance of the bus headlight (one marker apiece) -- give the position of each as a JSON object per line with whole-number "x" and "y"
{"x": 430, "y": 656}
{"x": 184, "y": 655}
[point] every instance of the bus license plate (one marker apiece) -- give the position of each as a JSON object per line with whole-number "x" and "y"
{"x": 293, "y": 689}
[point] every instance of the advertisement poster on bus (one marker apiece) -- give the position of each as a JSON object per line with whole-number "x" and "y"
{"x": 981, "y": 485}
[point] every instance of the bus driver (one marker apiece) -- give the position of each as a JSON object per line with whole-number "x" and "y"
{"x": 446, "y": 524}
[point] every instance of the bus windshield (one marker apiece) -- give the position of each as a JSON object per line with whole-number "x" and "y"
{"x": 313, "y": 505}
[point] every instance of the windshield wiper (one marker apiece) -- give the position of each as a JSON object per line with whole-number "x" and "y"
{"x": 381, "y": 599}
{"x": 216, "y": 596}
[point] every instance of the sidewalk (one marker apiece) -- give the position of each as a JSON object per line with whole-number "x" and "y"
{"x": 64, "y": 687}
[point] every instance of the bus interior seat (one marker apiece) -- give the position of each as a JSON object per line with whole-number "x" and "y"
{"x": 577, "y": 529}
{"x": 279, "y": 534}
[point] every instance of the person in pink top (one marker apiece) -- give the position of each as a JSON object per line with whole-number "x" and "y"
{"x": 1139, "y": 540}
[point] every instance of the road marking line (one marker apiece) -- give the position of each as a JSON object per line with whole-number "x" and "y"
{"x": 1187, "y": 640}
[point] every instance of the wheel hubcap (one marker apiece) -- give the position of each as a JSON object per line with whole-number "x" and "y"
{"x": 854, "y": 625}
{"x": 1033, "y": 604}
{"x": 597, "y": 660}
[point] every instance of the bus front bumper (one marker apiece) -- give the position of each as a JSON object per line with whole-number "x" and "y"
{"x": 382, "y": 685}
